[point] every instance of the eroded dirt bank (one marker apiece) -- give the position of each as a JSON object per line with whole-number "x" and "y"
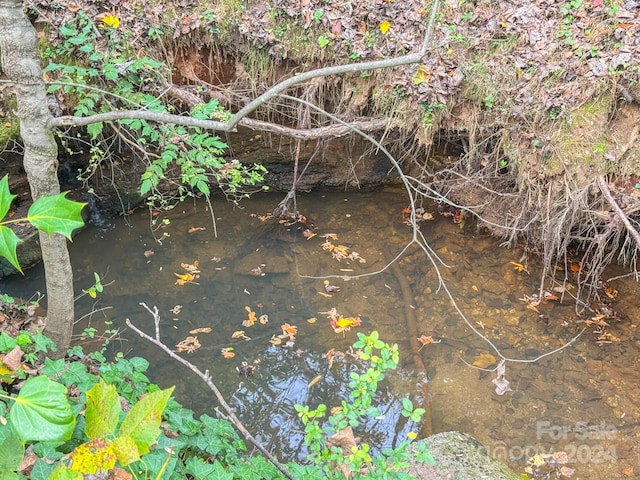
{"x": 534, "y": 107}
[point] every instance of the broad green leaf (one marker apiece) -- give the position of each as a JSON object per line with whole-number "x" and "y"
{"x": 211, "y": 471}
{"x": 5, "y": 196}
{"x": 126, "y": 450}
{"x": 11, "y": 450}
{"x": 103, "y": 410}
{"x": 8, "y": 245}
{"x": 95, "y": 129}
{"x": 41, "y": 411}
{"x": 142, "y": 422}
{"x": 56, "y": 214}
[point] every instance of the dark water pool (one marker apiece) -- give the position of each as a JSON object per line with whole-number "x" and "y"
{"x": 563, "y": 402}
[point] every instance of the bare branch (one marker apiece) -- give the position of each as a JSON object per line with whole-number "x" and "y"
{"x": 235, "y": 120}
{"x": 206, "y": 378}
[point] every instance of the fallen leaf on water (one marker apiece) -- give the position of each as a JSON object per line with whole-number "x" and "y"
{"x": 189, "y": 345}
{"x": 176, "y": 310}
{"x": 201, "y": 330}
{"x": 264, "y": 319}
{"x": 275, "y": 340}
{"x": 195, "y": 229}
{"x": 251, "y": 317}
{"x": 312, "y": 320}
{"x": 240, "y": 334}
{"x": 425, "y": 340}
{"x": 148, "y": 253}
{"x": 314, "y": 381}
{"x": 343, "y": 324}
{"x": 484, "y": 360}
{"x": 227, "y": 352}
{"x": 289, "y": 330}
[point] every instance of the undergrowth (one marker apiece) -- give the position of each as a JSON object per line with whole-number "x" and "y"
{"x": 84, "y": 415}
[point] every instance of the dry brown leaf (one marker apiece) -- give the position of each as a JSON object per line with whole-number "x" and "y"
{"x": 201, "y": 330}
{"x": 484, "y": 360}
{"x": 13, "y": 359}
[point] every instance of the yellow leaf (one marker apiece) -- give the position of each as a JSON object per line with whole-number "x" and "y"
{"x": 111, "y": 21}
{"x": 421, "y": 75}
{"x": 484, "y": 360}
{"x": 385, "y": 26}
{"x": 519, "y": 267}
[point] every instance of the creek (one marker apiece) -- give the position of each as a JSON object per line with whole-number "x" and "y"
{"x": 581, "y": 400}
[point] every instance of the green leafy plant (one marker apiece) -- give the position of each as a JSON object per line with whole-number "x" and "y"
{"x": 98, "y": 71}
{"x": 338, "y": 455}
{"x": 52, "y": 214}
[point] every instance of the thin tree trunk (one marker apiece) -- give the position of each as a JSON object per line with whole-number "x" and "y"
{"x": 21, "y": 64}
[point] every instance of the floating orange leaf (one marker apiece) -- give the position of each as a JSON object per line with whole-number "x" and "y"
{"x": 251, "y": 318}
{"x": 426, "y": 340}
{"x": 195, "y": 229}
{"x": 275, "y": 340}
{"x": 189, "y": 345}
{"x": 289, "y": 330}
{"x": 227, "y": 352}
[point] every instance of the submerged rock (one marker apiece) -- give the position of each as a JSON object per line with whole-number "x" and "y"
{"x": 461, "y": 457}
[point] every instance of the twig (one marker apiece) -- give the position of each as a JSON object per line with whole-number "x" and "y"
{"x": 206, "y": 378}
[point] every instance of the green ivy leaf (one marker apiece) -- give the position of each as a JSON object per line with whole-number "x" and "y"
{"x": 41, "y": 411}
{"x": 56, "y": 214}
{"x": 8, "y": 246}
{"x": 103, "y": 410}
{"x": 142, "y": 422}
{"x": 212, "y": 471}
{"x": 11, "y": 450}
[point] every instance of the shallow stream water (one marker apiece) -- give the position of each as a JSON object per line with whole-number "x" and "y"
{"x": 582, "y": 400}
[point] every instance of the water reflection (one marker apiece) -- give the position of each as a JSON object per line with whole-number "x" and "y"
{"x": 585, "y": 383}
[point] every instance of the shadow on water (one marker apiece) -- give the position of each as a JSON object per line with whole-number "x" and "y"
{"x": 567, "y": 401}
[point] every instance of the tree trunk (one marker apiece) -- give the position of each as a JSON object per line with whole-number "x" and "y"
{"x": 21, "y": 64}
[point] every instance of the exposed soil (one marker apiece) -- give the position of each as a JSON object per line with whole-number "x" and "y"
{"x": 531, "y": 104}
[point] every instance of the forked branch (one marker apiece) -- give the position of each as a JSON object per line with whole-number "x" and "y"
{"x": 206, "y": 378}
